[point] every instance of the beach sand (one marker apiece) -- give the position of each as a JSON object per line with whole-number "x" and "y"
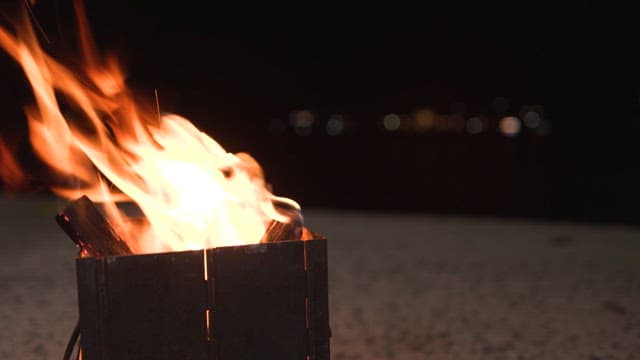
{"x": 401, "y": 286}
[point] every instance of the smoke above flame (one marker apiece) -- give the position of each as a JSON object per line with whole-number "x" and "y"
{"x": 117, "y": 148}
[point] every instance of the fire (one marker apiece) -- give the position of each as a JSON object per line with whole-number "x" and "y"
{"x": 10, "y": 170}
{"x": 193, "y": 193}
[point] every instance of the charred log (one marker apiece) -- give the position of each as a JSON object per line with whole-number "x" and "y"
{"x": 279, "y": 231}
{"x": 86, "y": 226}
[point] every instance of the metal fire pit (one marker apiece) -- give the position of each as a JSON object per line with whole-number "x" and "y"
{"x": 264, "y": 301}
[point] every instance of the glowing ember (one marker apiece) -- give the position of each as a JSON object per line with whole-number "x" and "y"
{"x": 193, "y": 193}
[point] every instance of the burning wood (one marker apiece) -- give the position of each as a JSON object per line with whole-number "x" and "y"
{"x": 86, "y": 226}
{"x": 199, "y": 284}
{"x": 281, "y": 231}
{"x": 291, "y": 230}
{"x": 278, "y": 231}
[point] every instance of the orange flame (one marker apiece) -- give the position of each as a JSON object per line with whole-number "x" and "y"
{"x": 10, "y": 170}
{"x": 192, "y": 192}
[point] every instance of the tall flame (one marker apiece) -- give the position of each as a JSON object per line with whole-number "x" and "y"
{"x": 192, "y": 192}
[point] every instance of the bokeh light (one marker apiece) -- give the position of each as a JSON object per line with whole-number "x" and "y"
{"x": 475, "y": 125}
{"x": 424, "y": 119}
{"x": 510, "y": 126}
{"x": 302, "y": 121}
{"x": 391, "y": 122}
{"x": 531, "y": 119}
{"x": 335, "y": 125}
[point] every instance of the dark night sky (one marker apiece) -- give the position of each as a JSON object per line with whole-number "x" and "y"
{"x": 231, "y": 67}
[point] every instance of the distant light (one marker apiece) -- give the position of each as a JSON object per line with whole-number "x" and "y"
{"x": 335, "y": 125}
{"x": 475, "y": 125}
{"x": 424, "y": 119}
{"x": 302, "y": 118}
{"x": 302, "y": 121}
{"x": 509, "y": 126}
{"x": 500, "y": 104}
{"x": 277, "y": 127}
{"x": 532, "y": 119}
{"x": 391, "y": 122}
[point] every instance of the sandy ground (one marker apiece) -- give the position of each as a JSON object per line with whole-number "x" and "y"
{"x": 401, "y": 287}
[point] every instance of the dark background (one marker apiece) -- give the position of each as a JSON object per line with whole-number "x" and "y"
{"x": 236, "y": 69}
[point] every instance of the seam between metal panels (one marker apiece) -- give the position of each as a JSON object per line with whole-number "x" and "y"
{"x": 307, "y": 304}
{"x": 212, "y": 343}
{"x": 101, "y": 283}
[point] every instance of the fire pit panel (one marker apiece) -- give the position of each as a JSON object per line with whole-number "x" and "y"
{"x": 259, "y": 304}
{"x": 143, "y": 306}
{"x": 265, "y": 301}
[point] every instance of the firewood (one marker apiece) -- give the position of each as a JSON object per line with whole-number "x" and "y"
{"x": 308, "y": 234}
{"x": 86, "y": 226}
{"x": 279, "y": 231}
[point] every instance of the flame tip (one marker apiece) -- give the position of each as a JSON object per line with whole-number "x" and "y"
{"x": 192, "y": 192}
